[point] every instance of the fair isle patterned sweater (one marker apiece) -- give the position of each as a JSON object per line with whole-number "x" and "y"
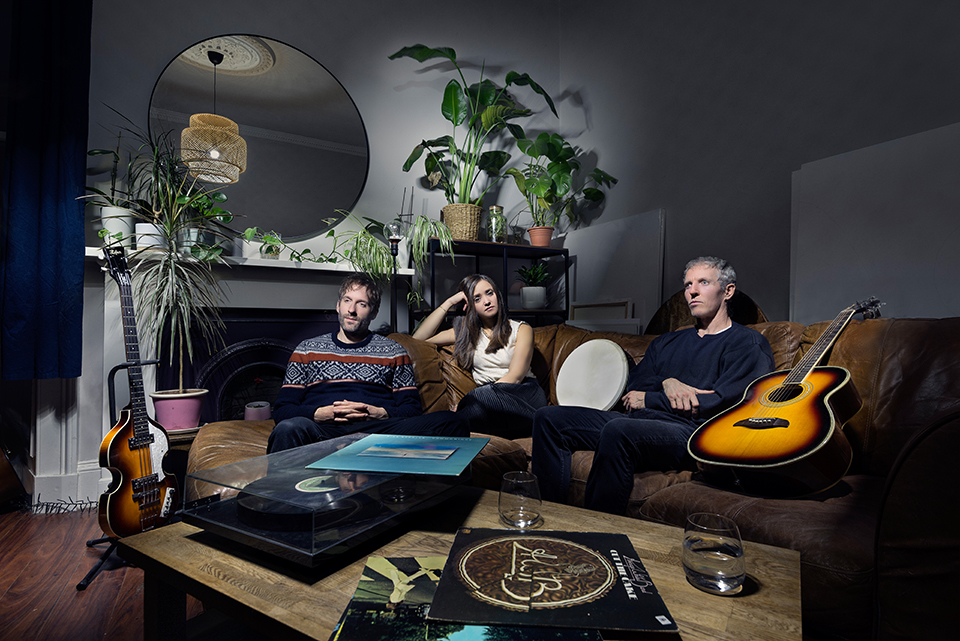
{"x": 377, "y": 371}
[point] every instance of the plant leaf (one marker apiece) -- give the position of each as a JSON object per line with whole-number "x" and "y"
{"x": 455, "y": 106}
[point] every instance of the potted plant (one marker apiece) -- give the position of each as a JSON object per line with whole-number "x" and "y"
{"x": 110, "y": 208}
{"x": 547, "y": 183}
{"x": 533, "y": 295}
{"x": 367, "y": 247}
{"x": 176, "y": 293}
{"x": 454, "y": 162}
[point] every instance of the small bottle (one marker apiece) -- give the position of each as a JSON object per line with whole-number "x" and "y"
{"x": 496, "y": 225}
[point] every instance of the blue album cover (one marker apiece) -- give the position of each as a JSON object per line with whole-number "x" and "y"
{"x": 404, "y": 454}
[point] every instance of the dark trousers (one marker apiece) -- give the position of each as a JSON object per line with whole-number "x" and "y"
{"x": 503, "y": 409}
{"x": 623, "y": 444}
{"x": 300, "y": 430}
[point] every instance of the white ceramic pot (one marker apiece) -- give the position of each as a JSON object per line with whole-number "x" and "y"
{"x": 149, "y": 236}
{"x": 533, "y": 297}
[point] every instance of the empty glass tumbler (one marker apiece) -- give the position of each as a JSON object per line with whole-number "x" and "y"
{"x": 520, "y": 500}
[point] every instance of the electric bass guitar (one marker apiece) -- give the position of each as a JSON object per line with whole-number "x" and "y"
{"x": 783, "y": 439}
{"x": 142, "y": 495}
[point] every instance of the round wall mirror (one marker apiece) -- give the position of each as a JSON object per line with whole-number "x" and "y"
{"x": 307, "y": 153}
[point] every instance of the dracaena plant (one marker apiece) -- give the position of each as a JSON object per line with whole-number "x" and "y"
{"x": 478, "y": 113}
{"x": 547, "y": 180}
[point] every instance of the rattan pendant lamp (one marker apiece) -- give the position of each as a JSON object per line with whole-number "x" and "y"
{"x": 211, "y": 146}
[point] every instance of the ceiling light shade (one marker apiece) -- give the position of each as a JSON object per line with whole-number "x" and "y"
{"x": 213, "y": 149}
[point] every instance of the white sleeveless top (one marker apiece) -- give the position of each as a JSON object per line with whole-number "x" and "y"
{"x": 488, "y": 368}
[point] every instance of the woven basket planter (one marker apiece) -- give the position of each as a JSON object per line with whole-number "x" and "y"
{"x": 463, "y": 220}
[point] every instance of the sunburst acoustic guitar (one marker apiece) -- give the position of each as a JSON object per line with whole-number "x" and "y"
{"x": 784, "y": 438}
{"x": 142, "y": 495}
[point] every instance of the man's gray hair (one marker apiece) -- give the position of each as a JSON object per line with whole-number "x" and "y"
{"x": 727, "y": 275}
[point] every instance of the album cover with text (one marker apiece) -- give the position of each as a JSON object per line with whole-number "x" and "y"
{"x": 394, "y": 595}
{"x": 562, "y": 579}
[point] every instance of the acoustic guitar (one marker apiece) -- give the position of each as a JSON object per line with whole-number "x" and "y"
{"x": 141, "y": 495}
{"x": 783, "y": 439}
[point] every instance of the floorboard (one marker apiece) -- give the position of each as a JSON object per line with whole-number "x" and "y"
{"x": 42, "y": 559}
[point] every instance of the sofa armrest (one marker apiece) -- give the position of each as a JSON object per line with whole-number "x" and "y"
{"x": 918, "y": 536}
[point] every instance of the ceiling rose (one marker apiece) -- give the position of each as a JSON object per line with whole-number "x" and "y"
{"x": 242, "y": 55}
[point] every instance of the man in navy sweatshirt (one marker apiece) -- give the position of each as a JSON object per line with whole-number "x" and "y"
{"x": 684, "y": 378}
{"x": 353, "y": 380}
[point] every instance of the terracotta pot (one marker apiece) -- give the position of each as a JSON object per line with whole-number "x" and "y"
{"x": 176, "y": 410}
{"x": 540, "y": 236}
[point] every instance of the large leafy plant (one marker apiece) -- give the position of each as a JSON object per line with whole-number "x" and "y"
{"x": 548, "y": 177}
{"x": 478, "y": 112}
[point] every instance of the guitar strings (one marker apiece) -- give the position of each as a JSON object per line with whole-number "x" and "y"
{"x": 794, "y": 379}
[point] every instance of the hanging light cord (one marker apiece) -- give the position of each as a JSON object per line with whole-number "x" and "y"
{"x": 215, "y": 58}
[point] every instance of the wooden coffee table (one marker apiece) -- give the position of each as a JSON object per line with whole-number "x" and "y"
{"x": 285, "y": 601}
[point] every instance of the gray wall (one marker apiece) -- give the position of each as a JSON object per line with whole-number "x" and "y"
{"x": 880, "y": 221}
{"x": 703, "y": 109}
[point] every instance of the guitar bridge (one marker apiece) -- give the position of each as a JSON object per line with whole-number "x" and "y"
{"x": 763, "y": 423}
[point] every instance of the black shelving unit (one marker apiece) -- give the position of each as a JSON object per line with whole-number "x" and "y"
{"x": 481, "y": 249}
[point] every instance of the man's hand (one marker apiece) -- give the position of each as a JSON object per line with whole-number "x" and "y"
{"x": 634, "y": 400}
{"x": 683, "y": 397}
{"x": 349, "y": 412}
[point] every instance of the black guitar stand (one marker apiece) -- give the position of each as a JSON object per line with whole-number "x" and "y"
{"x": 95, "y": 570}
{"x": 112, "y": 392}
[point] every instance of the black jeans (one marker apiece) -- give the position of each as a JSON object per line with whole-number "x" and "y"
{"x": 503, "y": 409}
{"x": 623, "y": 444}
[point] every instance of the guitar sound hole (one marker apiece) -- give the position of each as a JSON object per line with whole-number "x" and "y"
{"x": 786, "y": 393}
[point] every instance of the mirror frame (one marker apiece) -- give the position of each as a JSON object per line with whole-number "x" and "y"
{"x": 325, "y": 222}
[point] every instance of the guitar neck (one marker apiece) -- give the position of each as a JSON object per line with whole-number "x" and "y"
{"x": 820, "y": 347}
{"x": 131, "y": 348}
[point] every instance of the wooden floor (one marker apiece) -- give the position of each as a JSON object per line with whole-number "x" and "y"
{"x": 42, "y": 558}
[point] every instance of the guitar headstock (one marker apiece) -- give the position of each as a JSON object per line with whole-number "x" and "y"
{"x": 116, "y": 260}
{"x": 870, "y": 308}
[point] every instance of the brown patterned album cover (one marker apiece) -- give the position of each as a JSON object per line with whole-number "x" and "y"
{"x": 558, "y": 579}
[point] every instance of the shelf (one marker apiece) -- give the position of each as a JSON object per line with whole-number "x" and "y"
{"x": 505, "y": 251}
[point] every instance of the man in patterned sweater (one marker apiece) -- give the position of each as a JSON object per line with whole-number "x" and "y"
{"x": 353, "y": 380}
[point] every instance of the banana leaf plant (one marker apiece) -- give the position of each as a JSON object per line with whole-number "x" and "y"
{"x": 548, "y": 177}
{"x": 478, "y": 112}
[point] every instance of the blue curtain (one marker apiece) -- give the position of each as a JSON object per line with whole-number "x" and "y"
{"x": 41, "y": 237}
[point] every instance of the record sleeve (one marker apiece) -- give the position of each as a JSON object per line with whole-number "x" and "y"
{"x": 394, "y": 595}
{"x": 554, "y": 579}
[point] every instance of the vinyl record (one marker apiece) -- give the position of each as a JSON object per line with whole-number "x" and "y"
{"x": 286, "y": 510}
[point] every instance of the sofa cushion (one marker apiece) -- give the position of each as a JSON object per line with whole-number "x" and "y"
{"x": 428, "y": 372}
{"x": 834, "y": 533}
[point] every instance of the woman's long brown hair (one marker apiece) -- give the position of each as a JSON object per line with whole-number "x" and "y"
{"x": 467, "y": 328}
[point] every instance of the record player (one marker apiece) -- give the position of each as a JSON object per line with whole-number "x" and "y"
{"x": 275, "y": 504}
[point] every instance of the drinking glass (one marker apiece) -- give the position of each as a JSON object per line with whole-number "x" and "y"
{"x": 713, "y": 554}
{"x": 520, "y": 500}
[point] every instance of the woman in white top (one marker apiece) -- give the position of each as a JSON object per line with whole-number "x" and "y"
{"x": 497, "y": 351}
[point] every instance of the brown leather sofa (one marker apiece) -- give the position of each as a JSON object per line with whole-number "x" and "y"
{"x": 880, "y": 551}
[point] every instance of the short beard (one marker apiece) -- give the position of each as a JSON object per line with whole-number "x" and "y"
{"x": 361, "y": 330}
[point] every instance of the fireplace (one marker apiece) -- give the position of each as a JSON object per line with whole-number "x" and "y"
{"x": 251, "y": 363}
